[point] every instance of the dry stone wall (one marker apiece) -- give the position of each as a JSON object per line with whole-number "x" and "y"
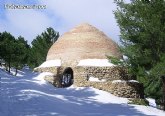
{"x": 109, "y": 73}
{"x": 122, "y": 89}
{"x": 47, "y": 69}
{"x": 53, "y": 79}
{"x": 127, "y": 89}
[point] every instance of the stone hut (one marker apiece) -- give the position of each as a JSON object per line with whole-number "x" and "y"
{"x": 79, "y": 57}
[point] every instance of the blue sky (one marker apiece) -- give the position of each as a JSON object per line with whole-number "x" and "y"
{"x": 62, "y": 15}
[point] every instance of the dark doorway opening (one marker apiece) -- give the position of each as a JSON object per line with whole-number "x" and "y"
{"x": 67, "y": 77}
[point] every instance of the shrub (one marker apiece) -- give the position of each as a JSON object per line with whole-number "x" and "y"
{"x": 138, "y": 101}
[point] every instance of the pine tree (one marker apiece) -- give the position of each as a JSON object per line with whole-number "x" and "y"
{"x": 6, "y": 48}
{"x": 41, "y": 45}
{"x": 142, "y": 26}
{"x": 20, "y": 57}
{"x": 15, "y": 52}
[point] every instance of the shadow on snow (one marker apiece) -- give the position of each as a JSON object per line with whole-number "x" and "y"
{"x": 22, "y": 96}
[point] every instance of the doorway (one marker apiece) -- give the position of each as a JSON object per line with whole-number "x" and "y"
{"x": 67, "y": 77}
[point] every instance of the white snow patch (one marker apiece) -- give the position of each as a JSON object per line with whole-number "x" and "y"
{"x": 94, "y": 79}
{"x": 125, "y": 57}
{"x": 105, "y": 97}
{"x": 148, "y": 110}
{"x": 40, "y": 78}
{"x": 151, "y": 102}
{"x": 19, "y": 74}
{"x": 95, "y": 62}
{"x": 124, "y": 81}
{"x": 51, "y": 63}
{"x": 135, "y": 81}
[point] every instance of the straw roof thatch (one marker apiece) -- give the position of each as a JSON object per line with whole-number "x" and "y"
{"x": 83, "y": 42}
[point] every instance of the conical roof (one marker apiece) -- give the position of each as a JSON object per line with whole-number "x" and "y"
{"x": 83, "y": 42}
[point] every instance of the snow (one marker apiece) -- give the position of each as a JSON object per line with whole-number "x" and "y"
{"x": 125, "y": 57}
{"x": 28, "y": 96}
{"x": 135, "y": 81}
{"x": 95, "y": 62}
{"x": 152, "y": 102}
{"x": 51, "y": 63}
{"x": 94, "y": 79}
{"x": 40, "y": 78}
{"x": 124, "y": 81}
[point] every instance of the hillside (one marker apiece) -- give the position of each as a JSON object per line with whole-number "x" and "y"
{"x": 29, "y": 95}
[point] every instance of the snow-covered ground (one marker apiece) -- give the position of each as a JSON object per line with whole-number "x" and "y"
{"x": 29, "y": 95}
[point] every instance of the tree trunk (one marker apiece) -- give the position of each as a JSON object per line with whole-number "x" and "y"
{"x": 16, "y": 71}
{"x": 6, "y": 67}
{"x": 9, "y": 67}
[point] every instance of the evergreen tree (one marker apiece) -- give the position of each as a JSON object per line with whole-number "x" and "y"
{"x": 41, "y": 45}
{"x": 6, "y": 48}
{"x": 142, "y": 26}
{"x": 21, "y": 51}
{"x": 14, "y": 52}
